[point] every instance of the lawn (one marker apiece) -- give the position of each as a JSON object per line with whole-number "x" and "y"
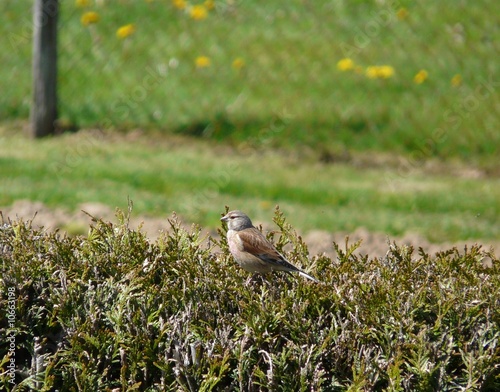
{"x": 197, "y": 178}
{"x": 262, "y": 73}
{"x": 346, "y": 114}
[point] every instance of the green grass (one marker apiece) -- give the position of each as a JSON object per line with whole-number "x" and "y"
{"x": 290, "y": 74}
{"x": 289, "y": 97}
{"x": 198, "y": 178}
{"x": 113, "y": 310}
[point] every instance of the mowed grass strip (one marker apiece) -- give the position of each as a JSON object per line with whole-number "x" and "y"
{"x": 198, "y": 178}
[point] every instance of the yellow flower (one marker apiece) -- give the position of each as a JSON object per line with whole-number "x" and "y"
{"x": 402, "y": 13}
{"x": 125, "y": 31}
{"x": 421, "y": 76}
{"x": 345, "y": 64}
{"x": 198, "y": 12}
{"x": 238, "y": 63}
{"x": 89, "y": 17}
{"x": 179, "y": 4}
{"x": 379, "y": 72}
{"x": 386, "y": 71}
{"x": 82, "y": 3}
{"x": 202, "y": 62}
{"x": 456, "y": 80}
{"x": 209, "y": 4}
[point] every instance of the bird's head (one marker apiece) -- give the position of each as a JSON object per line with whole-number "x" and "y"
{"x": 237, "y": 220}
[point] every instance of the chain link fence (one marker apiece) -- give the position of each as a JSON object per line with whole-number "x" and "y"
{"x": 403, "y": 75}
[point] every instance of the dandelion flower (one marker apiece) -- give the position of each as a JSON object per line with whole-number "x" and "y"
{"x": 402, "y": 13}
{"x": 125, "y": 31}
{"x": 456, "y": 80}
{"x": 202, "y": 62}
{"x": 198, "y": 12}
{"x": 179, "y": 4}
{"x": 379, "y": 72}
{"x": 386, "y": 71}
{"x": 421, "y": 76}
{"x": 238, "y": 63}
{"x": 89, "y": 18}
{"x": 82, "y": 3}
{"x": 345, "y": 64}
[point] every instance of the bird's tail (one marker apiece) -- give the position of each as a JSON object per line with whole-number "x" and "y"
{"x": 302, "y": 273}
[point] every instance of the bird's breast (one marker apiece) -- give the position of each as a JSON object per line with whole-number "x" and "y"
{"x": 234, "y": 242}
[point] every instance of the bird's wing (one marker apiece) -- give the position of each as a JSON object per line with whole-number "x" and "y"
{"x": 255, "y": 243}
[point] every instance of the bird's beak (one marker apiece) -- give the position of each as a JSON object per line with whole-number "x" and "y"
{"x": 224, "y": 218}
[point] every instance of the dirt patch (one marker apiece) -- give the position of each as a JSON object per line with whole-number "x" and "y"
{"x": 78, "y": 221}
{"x": 319, "y": 242}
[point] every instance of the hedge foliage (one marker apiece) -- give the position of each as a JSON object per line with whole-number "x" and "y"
{"x": 115, "y": 311}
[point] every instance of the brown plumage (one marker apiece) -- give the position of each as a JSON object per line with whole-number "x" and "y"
{"x": 251, "y": 249}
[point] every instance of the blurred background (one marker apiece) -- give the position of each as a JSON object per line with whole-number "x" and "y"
{"x": 375, "y": 114}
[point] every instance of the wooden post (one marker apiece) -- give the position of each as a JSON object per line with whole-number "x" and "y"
{"x": 44, "y": 105}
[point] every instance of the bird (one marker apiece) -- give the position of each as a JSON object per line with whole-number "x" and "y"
{"x": 251, "y": 249}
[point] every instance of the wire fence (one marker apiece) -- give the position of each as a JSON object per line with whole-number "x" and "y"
{"x": 389, "y": 69}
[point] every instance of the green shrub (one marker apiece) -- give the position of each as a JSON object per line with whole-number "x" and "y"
{"x": 113, "y": 311}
